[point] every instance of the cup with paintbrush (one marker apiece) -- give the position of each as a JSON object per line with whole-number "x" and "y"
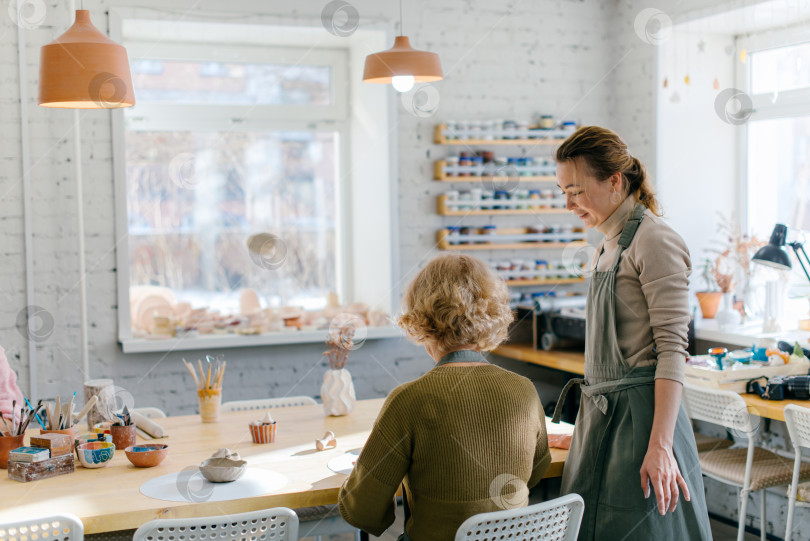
{"x": 123, "y": 430}
{"x": 209, "y": 387}
{"x": 61, "y": 420}
{"x": 12, "y": 433}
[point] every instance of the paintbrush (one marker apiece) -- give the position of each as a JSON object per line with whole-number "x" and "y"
{"x": 5, "y": 423}
{"x": 36, "y": 415}
{"x": 202, "y": 373}
{"x": 57, "y": 411}
{"x": 48, "y": 415}
{"x": 191, "y": 371}
{"x": 13, "y": 408}
{"x": 31, "y": 414}
{"x": 20, "y": 425}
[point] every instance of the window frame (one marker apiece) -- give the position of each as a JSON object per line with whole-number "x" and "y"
{"x": 357, "y": 134}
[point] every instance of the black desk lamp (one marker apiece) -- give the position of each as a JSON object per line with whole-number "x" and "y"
{"x": 776, "y": 256}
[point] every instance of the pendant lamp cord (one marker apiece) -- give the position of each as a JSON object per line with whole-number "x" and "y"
{"x": 401, "y": 31}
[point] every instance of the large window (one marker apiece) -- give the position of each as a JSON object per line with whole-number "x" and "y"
{"x": 775, "y": 143}
{"x": 778, "y": 138}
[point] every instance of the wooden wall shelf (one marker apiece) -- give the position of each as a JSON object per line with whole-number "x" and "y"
{"x": 548, "y": 282}
{"x": 445, "y": 210}
{"x": 440, "y": 139}
{"x": 439, "y": 174}
{"x": 530, "y": 245}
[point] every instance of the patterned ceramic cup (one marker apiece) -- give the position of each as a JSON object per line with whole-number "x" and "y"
{"x": 263, "y": 433}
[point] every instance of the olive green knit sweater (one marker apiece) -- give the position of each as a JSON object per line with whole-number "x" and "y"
{"x": 466, "y": 440}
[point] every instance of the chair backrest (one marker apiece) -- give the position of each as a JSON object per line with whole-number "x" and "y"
{"x": 150, "y": 412}
{"x": 725, "y": 408}
{"x": 554, "y": 520}
{"x": 277, "y": 524}
{"x": 268, "y": 403}
{"x": 62, "y": 527}
{"x": 797, "y": 420}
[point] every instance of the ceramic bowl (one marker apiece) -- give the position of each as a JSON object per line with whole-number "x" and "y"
{"x": 93, "y": 436}
{"x": 95, "y": 454}
{"x": 146, "y": 455}
{"x": 222, "y": 470}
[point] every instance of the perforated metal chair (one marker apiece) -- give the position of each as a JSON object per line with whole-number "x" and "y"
{"x": 797, "y": 420}
{"x": 750, "y": 469}
{"x": 267, "y": 403}
{"x": 554, "y": 520}
{"x": 150, "y": 412}
{"x": 277, "y": 524}
{"x": 62, "y": 527}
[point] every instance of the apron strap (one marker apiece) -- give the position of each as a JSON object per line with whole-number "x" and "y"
{"x": 629, "y": 231}
{"x": 597, "y": 392}
{"x": 560, "y": 401}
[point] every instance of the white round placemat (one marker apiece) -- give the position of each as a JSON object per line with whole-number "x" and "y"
{"x": 189, "y": 485}
{"x": 343, "y": 463}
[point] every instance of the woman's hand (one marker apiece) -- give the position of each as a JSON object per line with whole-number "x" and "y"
{"x": 661, "y": 470}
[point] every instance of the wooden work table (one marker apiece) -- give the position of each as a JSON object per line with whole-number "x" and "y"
{"x": 109, "y": 498}
{"x": 573, "y": 362}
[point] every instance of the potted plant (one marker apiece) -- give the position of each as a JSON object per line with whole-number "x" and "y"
{"x": 709, "y": 298}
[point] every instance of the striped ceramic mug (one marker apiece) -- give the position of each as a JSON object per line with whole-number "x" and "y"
{"x": 263, "y": 433}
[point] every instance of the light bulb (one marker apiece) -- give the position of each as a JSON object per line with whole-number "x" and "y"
{"x": 402, "y": 83}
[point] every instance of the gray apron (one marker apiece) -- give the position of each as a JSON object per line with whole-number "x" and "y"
{"x": 612, "y": 433}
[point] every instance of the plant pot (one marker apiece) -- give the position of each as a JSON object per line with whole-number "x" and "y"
{"x": 8, "y": 444}
{"x": 123, "y": 436}
{"x": 337, "y": 392}
{"x": 709, "y": 302}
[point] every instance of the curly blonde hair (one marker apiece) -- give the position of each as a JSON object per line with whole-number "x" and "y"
{"x": 456, "y": 301}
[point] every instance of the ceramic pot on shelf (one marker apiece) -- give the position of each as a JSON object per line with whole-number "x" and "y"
{"x": 709, "y": 302}
{"x": 728, "y": 318}
{"x": 337, "y": 392}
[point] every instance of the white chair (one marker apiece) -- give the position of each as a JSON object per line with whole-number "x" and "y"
{"x": 267, "y": 403}
{"x": 150, "y": 412}
{"x": 750, "y": 469}
{"x": 554, "y": 520}
{"x": 62, "y": 527}
{"x": 797, "y": 420}
{"x": 277, "y": 524}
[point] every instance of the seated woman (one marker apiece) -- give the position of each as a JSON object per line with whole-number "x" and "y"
{"x": 468, "y": 437}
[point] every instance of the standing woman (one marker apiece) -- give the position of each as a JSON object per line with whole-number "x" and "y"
{"x": 633, "y": 439}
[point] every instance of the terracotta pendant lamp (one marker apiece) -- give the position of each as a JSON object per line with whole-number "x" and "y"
{"x": 84, "y": 69}
{"x": 402, "y": 65}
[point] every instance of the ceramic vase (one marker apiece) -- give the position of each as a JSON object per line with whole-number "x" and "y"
{"x": 728, "y": 318}
{"x": 337, "y": 392}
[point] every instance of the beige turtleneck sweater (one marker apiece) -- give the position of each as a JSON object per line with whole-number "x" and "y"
{"x": 652, "y": 292}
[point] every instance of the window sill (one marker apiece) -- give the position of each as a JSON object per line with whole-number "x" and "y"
{"x": 214, "y": 341}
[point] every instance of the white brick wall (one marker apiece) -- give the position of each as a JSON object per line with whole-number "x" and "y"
{"x": 502, "y": 59}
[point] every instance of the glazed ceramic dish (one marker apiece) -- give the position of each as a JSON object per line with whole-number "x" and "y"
{"x": 222, "y": 470}
{"x": 147, "y": 455}
{"x": 95, "y": 454}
